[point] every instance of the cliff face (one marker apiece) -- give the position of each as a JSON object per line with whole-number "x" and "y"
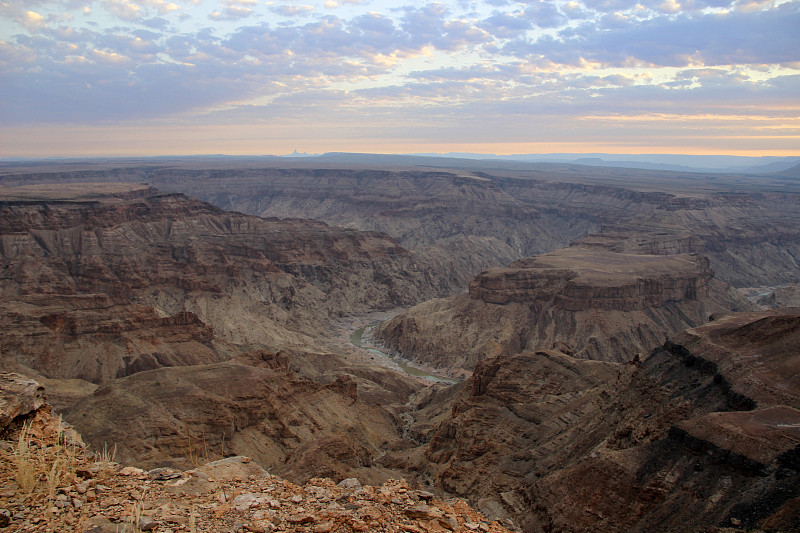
{"x": 593, "y": 303}
{"x": 577, "y": 279}
{"x": 106, "y": 283}
{"x": 748, "y": 235}
{"x": 702, "y": 433}
{"x": 273, "y": 407}
{"x": 749, "y": 238}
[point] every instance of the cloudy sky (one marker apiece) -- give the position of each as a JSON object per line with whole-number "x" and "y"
{"x": 145, "y": 77}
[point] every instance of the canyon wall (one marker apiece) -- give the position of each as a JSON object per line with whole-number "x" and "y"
{"x": 101, "y": 287}
{"x": 467, "y": 219}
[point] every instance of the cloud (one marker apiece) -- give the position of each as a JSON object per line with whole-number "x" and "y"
{"x": 32, "y": 21}
{"x": 110, "y": 58}
{"x": 125, "y": 10}
{"x": 429, "y": 26}
{"x": 158, "y": 23}
{"x": 708, "y": 39}
{"x": 231, "y": 13}
{"x": 505, "y": 25}
{"x": 500, "y": 72}
{"x": 544, "y": 14}
{"x": 292, "y": 10}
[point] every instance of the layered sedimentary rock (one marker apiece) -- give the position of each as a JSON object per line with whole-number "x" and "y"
{"x": 118, "y": 279}
{"x": 577, "y": 279}
{"x": 702, "y": 433}
{"x": 485, "y": 214}
{"x": 749, "y": 237}
{"x": 591, "y": 302}
{"x": 136, "y": 305}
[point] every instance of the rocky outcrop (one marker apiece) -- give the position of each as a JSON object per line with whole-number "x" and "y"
{"x": 702, "y": 433}
{"x": 593, "y": 303}
{"x": 19, "y": 398}
{"x": 577, "y": 279}
{"x": 787, "y": 296}
{"x": 286, "y": 410}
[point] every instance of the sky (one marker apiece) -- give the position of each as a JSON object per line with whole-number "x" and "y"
{"x": 173, "y": 77}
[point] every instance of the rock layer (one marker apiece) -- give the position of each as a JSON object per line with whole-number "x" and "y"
{"x": 578, "y": 279}
{"x": 502, "y": 210}
{"x": 592, "y": 303}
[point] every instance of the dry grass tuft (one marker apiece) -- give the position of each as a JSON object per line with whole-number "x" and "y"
{"x": 39, "y": 469}
{"x": 26, "y": 463}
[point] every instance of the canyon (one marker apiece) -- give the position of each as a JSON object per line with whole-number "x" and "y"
{"x": 622, "y": 336}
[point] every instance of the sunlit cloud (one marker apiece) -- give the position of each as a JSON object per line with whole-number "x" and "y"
{"x": 32, "y": 21}
{"x": 110, "y": 58}
{"x": 125, "y": 10}
{"x": 670, "y": 6}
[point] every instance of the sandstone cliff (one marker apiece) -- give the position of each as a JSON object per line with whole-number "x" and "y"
{"x": 703, "y": 433}
{"x": 593, "y": 303}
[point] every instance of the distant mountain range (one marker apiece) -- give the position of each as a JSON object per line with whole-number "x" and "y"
{"x": 675, "y": 162}
{"x": 783, "y": 166}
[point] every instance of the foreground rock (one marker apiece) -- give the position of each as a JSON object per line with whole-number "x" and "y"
{"x": 19, "y": 397}
{"x": 77, "y": 492}
{"x": 589, "y": 302}
{"x": 705, "y": 432}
